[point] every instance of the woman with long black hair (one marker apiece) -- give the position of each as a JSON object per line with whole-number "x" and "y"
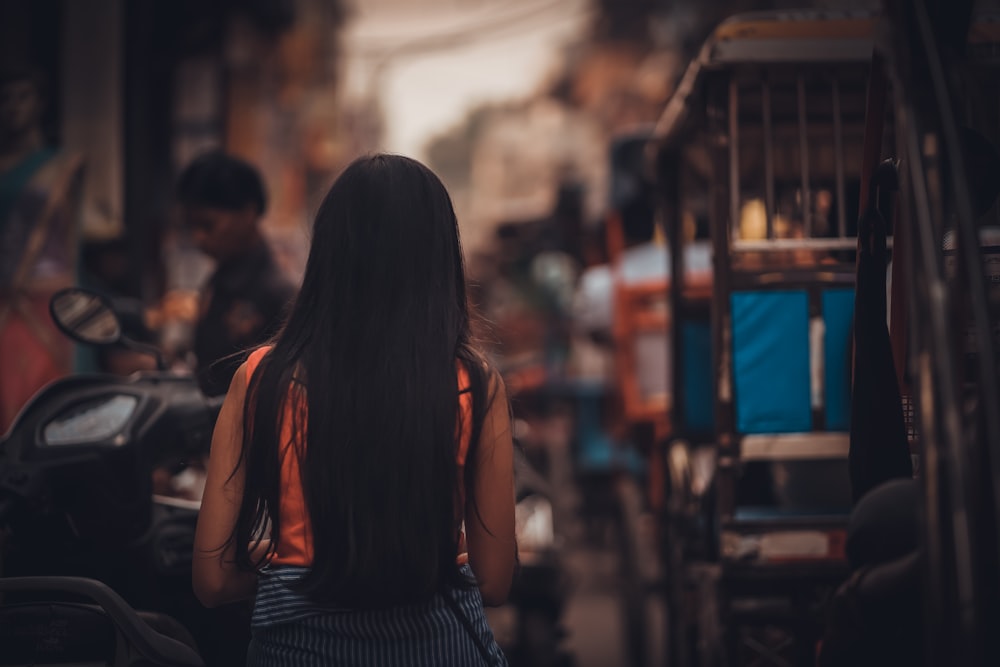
{"x": 361, "y": 475}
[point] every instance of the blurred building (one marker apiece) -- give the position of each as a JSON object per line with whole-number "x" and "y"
{"x": 521, "y": 156}
{"x": 507, "y": 162}
{"x": 141, "y": 86}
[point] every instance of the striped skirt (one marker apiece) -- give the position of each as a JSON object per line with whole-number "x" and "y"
{"x": 288, "y": 630}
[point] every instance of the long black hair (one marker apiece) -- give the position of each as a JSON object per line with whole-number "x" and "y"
{"x": 373, "y": 343}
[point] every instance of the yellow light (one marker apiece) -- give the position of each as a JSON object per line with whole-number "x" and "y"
{"x": 753, "y": 220}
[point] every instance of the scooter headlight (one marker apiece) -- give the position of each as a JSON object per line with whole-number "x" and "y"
{"x": 90, "y": 422}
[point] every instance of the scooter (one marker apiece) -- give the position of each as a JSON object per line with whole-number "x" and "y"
{"x": 56, "y": 631}
{"x": 93, "y": 475}
{"x": 86, "y": 477}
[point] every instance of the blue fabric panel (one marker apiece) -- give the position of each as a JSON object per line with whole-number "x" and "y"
{"x": 697, "y": 345}
{"x": 838, "y": 315}
{"x": 594, "y": 447}
{"x": 771, "y": 361}
{"x": 594, "y": 450}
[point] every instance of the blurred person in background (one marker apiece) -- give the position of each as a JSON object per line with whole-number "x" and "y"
{"x": 40, "y": 189}
{"x": 243, "y": 302}
{"x": 643, "y": 259}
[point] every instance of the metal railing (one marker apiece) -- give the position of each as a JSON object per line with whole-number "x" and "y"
{"x": 797, "y": 121}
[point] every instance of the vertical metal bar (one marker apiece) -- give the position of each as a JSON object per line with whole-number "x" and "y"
{"x": 721, "y": 230}
{"x": 838, "y": 156}
{"x": 933, "y": 524}
{"x": 937, "y": 373}
{"x": 967, "y": 244}
{"x": 804, "y": 158}
{"x": 734, "y": 156}
{"x": 765, "y": 98}
{"x": 875, "y": 100}
{"x": 672, "y": 167}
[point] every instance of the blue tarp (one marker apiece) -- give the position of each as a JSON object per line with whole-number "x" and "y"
{"x": 771, "y": 361}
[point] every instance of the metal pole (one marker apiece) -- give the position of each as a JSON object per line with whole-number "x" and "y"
{"x": 966, "y": 243}
{"x": 765, "y": 96}
{"x": 734, "y": 156}
{"x": 939, "y": 415}
{"x": 878, "y": 84}
{"x": 804, "y": 158}
{"x": 838, "y": 156}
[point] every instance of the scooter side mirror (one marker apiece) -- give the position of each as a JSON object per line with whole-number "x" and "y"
{"x": 85, "y": 316}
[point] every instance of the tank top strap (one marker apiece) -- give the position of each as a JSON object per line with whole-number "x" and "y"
{"x": 253, "y": 361}
{"x": 465, "y": 413}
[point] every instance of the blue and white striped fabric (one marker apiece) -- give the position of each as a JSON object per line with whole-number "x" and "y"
{"x": 290, "y": 630}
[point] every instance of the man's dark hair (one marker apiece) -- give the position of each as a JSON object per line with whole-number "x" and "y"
{"x": 218, "y": 180}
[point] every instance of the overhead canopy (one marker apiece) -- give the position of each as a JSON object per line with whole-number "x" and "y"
{"x": 795, "y": 37}
{"x": 771, "y": 38}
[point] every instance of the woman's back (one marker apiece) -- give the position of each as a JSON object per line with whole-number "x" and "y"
{"x": 369, "y": 356}
{"x": 294, "y": 547}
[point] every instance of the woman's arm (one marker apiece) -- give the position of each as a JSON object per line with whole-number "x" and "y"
{"x": 489, "y": 511}
{"x": 216, "y": 578}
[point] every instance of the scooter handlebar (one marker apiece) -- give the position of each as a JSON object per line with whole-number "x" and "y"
{"x": 151, "y": 644}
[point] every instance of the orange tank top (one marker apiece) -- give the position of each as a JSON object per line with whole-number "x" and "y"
{"x": 294, "y": 544}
